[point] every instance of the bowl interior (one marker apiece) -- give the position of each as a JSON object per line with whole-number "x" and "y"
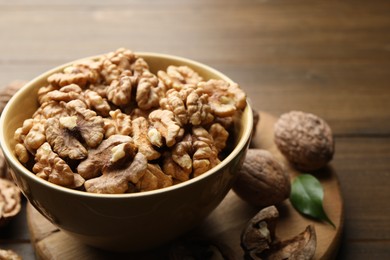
{"x": 24, "y": 103}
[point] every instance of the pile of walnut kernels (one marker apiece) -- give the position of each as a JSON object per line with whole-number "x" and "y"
{"x": 112, "y": 126}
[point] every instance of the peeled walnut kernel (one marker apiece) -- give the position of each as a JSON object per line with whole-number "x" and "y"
{"x": 49, "y": 166}
{"x": 149, "y": 91}
{"x": 205, "y": 154}
{"x": 140, "y": 136}
{"x": 189, "y": 105}
{"x": 29, "y": 138}
{"x": 66, "y": 93}
{"x": 96, "y": 102}
{"x": 117, "y": 123}
{"x": 116, "y": 179}
{"x": 81, "y": 74}
{"x": 154, "y": 178}
{"x": 164, "y": 121}
{"x": 119, "y": 91}
{"x": 225, "y": 98}
{"x": 305, "y": 140}
{"x": 10, "y": 204}
{"x": 262, "y": 180}
{"x": 177, "y": 76}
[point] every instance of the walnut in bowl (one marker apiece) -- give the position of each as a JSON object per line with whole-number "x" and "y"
{"x": 115, "y": 169}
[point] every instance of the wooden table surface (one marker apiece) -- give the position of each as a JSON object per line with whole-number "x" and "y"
{"x": 330, "y": 58}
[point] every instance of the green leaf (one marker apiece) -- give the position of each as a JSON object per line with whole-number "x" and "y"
{"x": 307, "y": 195}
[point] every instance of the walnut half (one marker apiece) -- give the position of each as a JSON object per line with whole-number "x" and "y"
{"x": 65, "y": 133}
{"x": 10, "y": 204}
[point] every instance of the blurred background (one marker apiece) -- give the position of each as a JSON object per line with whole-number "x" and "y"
{"x": 330, "y": 58}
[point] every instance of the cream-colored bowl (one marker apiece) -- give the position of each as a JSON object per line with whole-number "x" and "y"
{"x": 125, "y": 222}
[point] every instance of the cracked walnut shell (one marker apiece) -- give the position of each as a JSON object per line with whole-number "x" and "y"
{"x": 177, "y": 76}
{"x": 304, "y": 139}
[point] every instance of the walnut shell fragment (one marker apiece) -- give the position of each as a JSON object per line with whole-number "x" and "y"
{"x": 259, "y": 233}
{"x": 304, "y": 139}
{"x": 259, "y": 242}
{"x": 302, "y": 246}
{"x": 262, "y": 180}
{"x": 10, "y": 204}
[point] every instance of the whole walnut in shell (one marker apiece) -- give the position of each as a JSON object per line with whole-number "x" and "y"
{"x": 262, "y": 180}
{"x": 304, "y": 139}
{"x": 9, "y": 255}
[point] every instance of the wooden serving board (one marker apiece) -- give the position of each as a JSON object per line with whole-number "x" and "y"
{"x": 223, "y": 227}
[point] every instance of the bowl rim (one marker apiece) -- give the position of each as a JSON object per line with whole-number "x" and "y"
{"x": 11, "y": 158}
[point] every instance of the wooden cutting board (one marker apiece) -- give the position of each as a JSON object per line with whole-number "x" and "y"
{"x": 223, "y": 227}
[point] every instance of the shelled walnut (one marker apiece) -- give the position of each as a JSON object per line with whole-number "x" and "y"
{"x": 10, "y": 203}
{"x": 173, "y": 126}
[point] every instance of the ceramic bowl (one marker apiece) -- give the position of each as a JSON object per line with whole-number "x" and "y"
{"x": 125, "y": 222}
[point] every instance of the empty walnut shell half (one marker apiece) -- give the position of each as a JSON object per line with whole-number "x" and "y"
{"x": 262, "y": 180}
{"x": 305, "y": 140}
{"x": 9, "y": 201}
{"x": 302, "y": 246}
{"x": 259, "y": 242}
{"x": 259, "y": 233}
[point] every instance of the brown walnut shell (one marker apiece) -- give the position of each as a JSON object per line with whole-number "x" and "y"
{"x": 305, "y": 140}
{"x": 262, "y": 180}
